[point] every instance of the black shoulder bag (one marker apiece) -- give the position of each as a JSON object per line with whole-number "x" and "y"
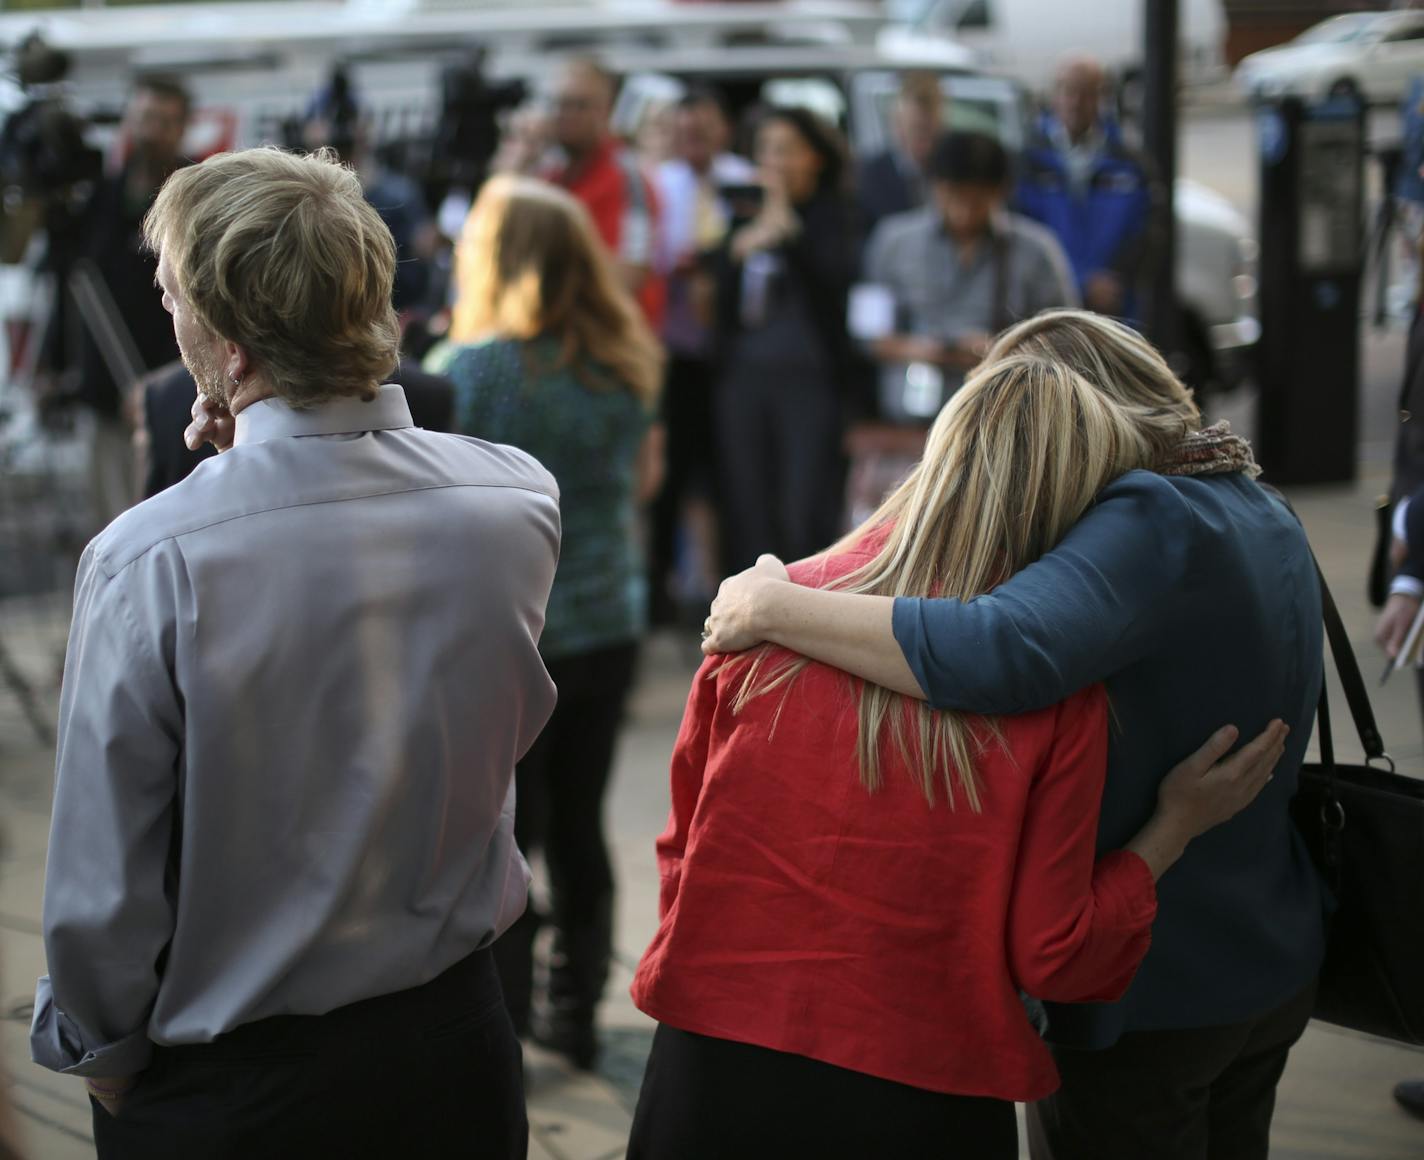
{"x": 1364, "y": 826}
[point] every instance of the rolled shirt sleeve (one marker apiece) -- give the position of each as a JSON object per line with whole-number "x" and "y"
{"x": 1088, "y": 609}
{"x": 107, "y": 913}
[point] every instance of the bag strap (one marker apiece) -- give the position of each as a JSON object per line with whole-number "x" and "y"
{"x": 1350, "y": 679}
{"x": 1345, "y": 665}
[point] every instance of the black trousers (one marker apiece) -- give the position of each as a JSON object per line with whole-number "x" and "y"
{"x": 560, "y": 786}
{"x": 782, "y": 465}
{"x": 712, "y": 1099}
{"x": 691, "y": 470}
{"x": 433, "y": 1072}
{"x": 1203, "y": 1093}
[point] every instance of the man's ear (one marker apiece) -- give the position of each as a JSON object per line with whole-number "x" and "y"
{"x": 234, "y": 361}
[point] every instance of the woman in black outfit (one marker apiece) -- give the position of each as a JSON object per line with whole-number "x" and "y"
{"x": 787, "y": 364}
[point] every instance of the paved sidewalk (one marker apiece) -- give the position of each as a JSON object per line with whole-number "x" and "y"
{"x": 1334, "y": 1101}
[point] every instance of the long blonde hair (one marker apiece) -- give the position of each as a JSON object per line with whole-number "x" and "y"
{"x": 529, "y": 264}
{"x": 1011, "y": 463}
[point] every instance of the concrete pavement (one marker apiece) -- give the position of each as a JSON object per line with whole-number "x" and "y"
{"x": 1334, "y": 1101}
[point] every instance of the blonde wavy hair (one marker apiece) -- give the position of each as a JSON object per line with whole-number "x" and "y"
{"x": 282, "y": 254}
{"x": 1119, "y": 362}
{"x": 1011, "y": 463}
{"x": 529, "y": 264}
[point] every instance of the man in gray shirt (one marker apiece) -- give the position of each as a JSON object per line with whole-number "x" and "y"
{"x": 959, "y": 271}
{"x": 297, "y": 686}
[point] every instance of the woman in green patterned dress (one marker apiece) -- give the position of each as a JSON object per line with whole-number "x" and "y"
{"x": 553, "y": 357}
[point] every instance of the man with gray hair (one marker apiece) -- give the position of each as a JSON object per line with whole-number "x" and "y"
{"x": 297, "y": 686}
{"x": 1098, "y": 197}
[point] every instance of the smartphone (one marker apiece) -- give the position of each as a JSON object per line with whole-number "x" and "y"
{"x": 744, "y": 200}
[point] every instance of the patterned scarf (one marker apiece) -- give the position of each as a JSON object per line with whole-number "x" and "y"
{"x": 1213, "y": 450}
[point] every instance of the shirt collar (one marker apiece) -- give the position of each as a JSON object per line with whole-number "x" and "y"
{"x": 1093, "y": 142}
{"x": 998, "y": 227}
{"x": 274, "y": 419}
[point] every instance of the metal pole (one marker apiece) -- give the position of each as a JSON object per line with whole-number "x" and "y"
{"x": 1159, "y": 141}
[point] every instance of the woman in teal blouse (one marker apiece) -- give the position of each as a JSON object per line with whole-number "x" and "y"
{"x": 553, "y": 357}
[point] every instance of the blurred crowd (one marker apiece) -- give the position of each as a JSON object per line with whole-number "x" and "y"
{"x": 816, "y": 307}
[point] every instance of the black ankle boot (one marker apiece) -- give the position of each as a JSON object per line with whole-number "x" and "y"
{"x": 573, "y": 1037}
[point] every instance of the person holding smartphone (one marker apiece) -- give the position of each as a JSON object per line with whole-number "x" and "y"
{"x": 786, "y": 364}
{"x": 940, "y": 282}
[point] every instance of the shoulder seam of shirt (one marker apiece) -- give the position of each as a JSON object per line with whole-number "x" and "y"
{"x": 103, "y": 555}
{"x": 127, "y": 615}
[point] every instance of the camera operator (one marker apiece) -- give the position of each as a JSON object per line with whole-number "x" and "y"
{"x": 155, "y": 119}
{"x": 468, "y": 133}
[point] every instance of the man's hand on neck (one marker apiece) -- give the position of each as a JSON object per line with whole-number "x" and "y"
{"x": 216, "y": 424}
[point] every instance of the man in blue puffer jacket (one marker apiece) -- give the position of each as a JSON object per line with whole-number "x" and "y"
{"x": 1098, "y": 197}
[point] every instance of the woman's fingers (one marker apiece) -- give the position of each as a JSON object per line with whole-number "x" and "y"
{"x": 1215, "y": 748}
{"x": 1252, "y": 767}
{"x": 1259, "y": 748}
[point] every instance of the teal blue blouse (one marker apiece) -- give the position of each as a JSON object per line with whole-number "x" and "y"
{"x": 588, "y": 439}
{"x": 1195, "y": 601}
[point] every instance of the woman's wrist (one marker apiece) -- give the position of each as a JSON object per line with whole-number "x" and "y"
{"x": 1161, "y": 842}
{"x": 767, "y": 609}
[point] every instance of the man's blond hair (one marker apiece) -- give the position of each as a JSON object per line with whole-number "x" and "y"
{"x": 283, "y": 255}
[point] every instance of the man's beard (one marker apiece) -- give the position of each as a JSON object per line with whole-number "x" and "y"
{"x": 212, "y": 383}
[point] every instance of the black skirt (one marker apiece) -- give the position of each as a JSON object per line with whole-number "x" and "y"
{"x": 712, "y": 1098}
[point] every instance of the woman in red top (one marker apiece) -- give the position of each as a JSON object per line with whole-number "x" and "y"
{"x": 856, "y": 888}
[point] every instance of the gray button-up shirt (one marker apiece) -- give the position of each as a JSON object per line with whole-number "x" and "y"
{"x": 296, "y": 689}
{"x": 1015, "y": 272}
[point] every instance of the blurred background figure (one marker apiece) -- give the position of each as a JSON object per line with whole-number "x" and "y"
{"x": 607, "y": 178}
{"x": 1081, "y": 181}
{"x": 165, "y": 405}
{"x": 786, "y": 363}
{"x": 952, "y": 275}
{"x": 468, "y": 135}
{"x": 556, "y": 359}
{"x": 525, "y": 143}
{"x": 125, "y": 330}
{"x": 655, "y": 138}
{"x": 465, "y": 150}
{"x": 695, "y": 218}
{"x": 336, "y": 121}
{"x": 894, "y": 180}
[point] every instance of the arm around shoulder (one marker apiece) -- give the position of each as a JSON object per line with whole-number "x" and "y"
{"x": 1106, "y": 596}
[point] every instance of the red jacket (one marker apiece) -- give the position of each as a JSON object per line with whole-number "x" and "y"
{"x": 871, "y": 931}
{"x": 624, "y": 209}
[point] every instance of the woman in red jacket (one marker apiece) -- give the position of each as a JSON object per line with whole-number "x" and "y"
{"x": 855, "y": 887}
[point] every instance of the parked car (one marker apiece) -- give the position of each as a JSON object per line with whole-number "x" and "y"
{"x": 1372, "y": 55}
